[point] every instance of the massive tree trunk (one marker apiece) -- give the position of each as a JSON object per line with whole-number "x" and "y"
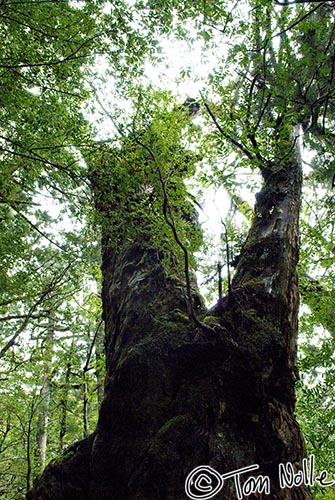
{"x": 179, "y": 395}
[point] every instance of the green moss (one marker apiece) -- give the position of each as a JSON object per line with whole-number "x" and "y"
{"x": 170, "y": 435}
{"x": 210, "y": 320}
{"x": 250, "y": 314}
{"x": 67, "y": 455}
{"x": 179, "y": 315}
{"x": 175, "y": 422}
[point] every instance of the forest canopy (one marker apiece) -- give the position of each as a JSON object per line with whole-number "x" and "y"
{"x": 87, "y": 133}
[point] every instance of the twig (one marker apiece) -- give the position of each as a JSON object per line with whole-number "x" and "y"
{"x": 224, "y": 134}
{"x": 38, "y": 230}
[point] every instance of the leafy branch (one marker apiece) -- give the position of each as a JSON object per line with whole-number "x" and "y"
{"x": 45, "y": 295}
{"x": 227, "y": 136}
{"x": 41, "y": 233}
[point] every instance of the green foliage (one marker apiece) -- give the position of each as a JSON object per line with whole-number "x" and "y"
{"x": 24, "y": 369}
{"x": 325, "y": 495}
{"x": 143, "y": 175}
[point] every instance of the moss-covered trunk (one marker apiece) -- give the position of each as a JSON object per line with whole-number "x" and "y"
{"x": 178, "y": 395}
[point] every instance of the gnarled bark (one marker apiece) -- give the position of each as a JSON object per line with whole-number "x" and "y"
{"x": 177, "y": 395}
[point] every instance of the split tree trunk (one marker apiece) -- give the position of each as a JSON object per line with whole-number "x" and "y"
{"x": 177, "y": 395}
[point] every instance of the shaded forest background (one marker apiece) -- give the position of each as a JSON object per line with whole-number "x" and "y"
{"x": 274, "y": 65}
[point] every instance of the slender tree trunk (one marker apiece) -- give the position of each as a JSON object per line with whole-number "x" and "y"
{"x": 94, "y": 346}
{"x": 29, "y": 457}
{"x": 43, "y": 421}
{"x": 43, "y": 417}
{"x": 64, "y": 407}
{"x": 177, "y": 395}
{"x": 85, "y": 406}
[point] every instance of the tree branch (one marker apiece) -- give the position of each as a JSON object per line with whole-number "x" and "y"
{"x": 89, "y": 355}
{"x": 44, "y": 295}
{"x": 38, "y": 230}
{"x": 236, "y": 143}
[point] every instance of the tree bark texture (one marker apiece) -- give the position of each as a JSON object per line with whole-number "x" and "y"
{"x": 177, "y": 395}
